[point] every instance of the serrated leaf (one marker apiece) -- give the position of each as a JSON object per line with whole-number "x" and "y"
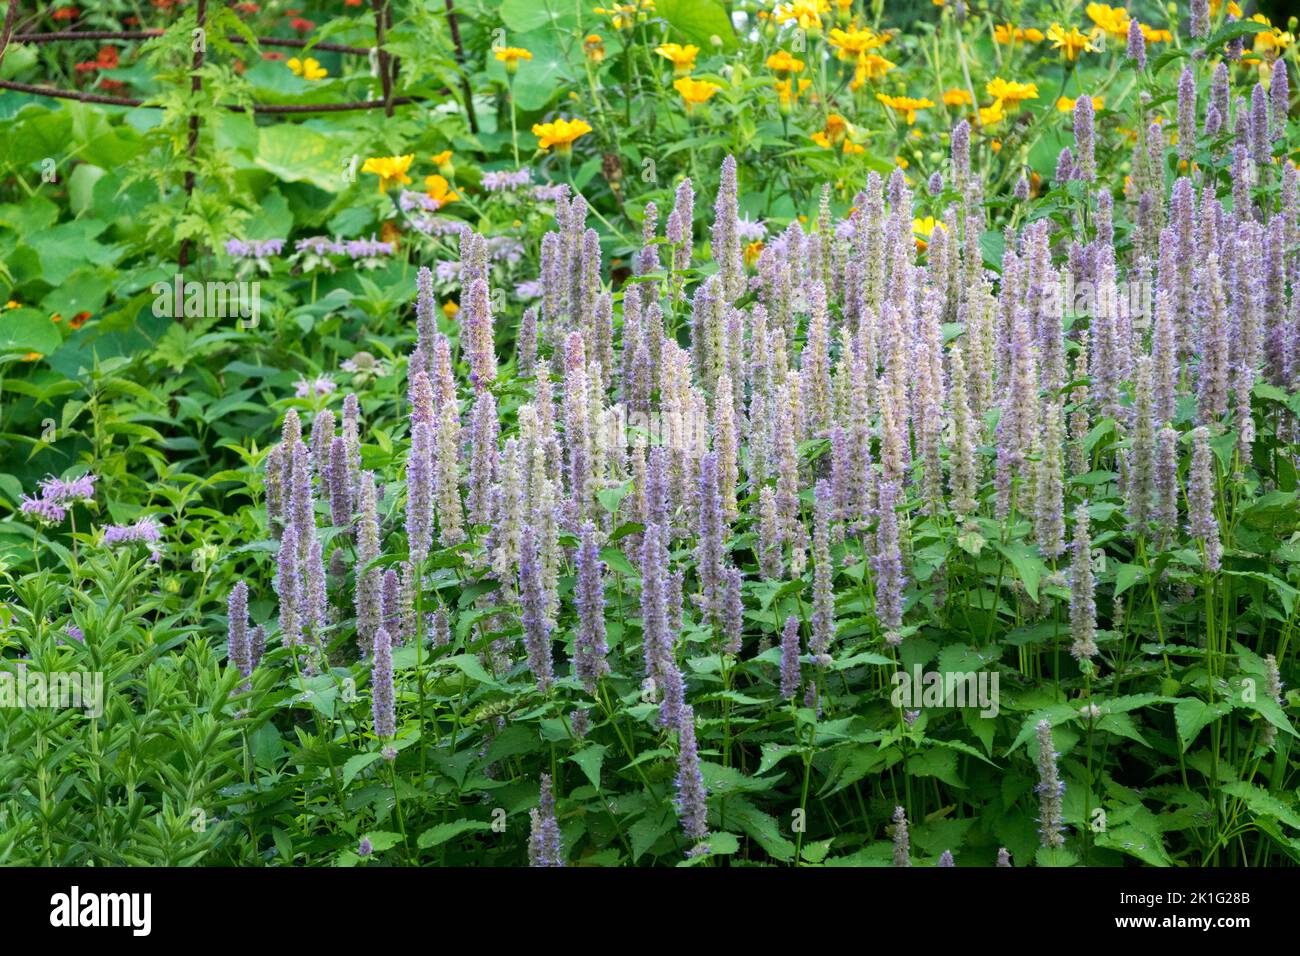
{"x": 590, "y": 759}
{"x": 436, "y": 836}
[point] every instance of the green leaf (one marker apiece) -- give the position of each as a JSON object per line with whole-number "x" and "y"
{"x": 436, "y": 836}
{"x": 295, "y": 154}
{"x": 646, "y": 832}
{"x": 356, "y": 764}
{"x": 590, "y": 759}
{"x": 525, "y": 16}
{"x": 1191, "y": 714}
{"x": 26, "y": 330}
{"x": 610, "y": 498}
{"x": 1263, "y": 803}
{"x": 761, "y": 827}
{"x": 1029, "y": 566}
{"x": 698, "y": 21}
{"x": 383, "y": 839}
{"x": 1230, "y": 31}
{"x": 1127, "y": 576}
{"x": 471, "y": 667}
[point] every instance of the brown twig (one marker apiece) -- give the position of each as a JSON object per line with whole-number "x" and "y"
{"x": 272, "y": 108}
{"x": 196, "y": 86}
{"x": 454, "y": 28}
{"x": 10, "y": 12}
{"x": 293, "y": 43}
{"x": 385, "y": 80}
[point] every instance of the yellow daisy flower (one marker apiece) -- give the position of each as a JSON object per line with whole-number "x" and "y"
{"x": 907, "y": 105}
{"x": 695, "y": 92}
{"x": 308, "y": 69}
{"x": 682, "y": 57}
{"x": 560, "y": 133}
{"x": 391, "y": 170}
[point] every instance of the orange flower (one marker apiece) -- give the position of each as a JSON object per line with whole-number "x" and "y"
{"x": 956, "y": 97}
{"x": 440, "y": 190}
{"x": 695, "y": 92}
{"x": 783, "y": 63}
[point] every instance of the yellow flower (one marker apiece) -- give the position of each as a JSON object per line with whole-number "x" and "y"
{"x": 1066, "y": 105}
{"x": 752, "y": 251}
{"x": 561, "y": 133}
{"x": 1156, "y": 36}
{"x": 783, "y": 63}
{"x": 625, "y": 16}
{"x": 836, "y": 129}
{"x": 390, "y": 169}
{"x": 852, "y": 149}
{"x": 922, "y": 229}
{"x": 808, "y": 13}
{"x": 995, "y": 145}
{"x": 1215, "y": 5}
{"x": 908, "y": 105}
{"x": 900, "y": 162}
{"x": 308, "y": 69}
{"x": 789, "y": 93}
{"x": 1007, "y": 34}
{"x": 449, "y": 309}
{"x": 1270, "y": 44}
{"x": 992, "y": 115}
{"x": 695, "y": 92}
{"x": 440, "y": 190}
{"x": 441, "y": 159}
{"x": 956, "y": 97}
{"x": 1112, "y": 20}
{"x": 1072, "y": 43}
{"x": 870, "y": 66}
{"x": 13, "y": 304}
{"x": 594, "y": 47}
{"x": 683, "y": 57}
{"x": 1010, "y": 91}
{"x": 854, "y": 42}
{"x": 511, "y": 56}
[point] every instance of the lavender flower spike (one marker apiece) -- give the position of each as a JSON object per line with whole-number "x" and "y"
{"x": 1137, "y": 44}
{"x": 589, "y": 647}
{"x": 419, "y": 493}
{"x": 691, "y": 793}
{"x": 790, "y": 674}
{"x": 902, "y": 843}
{"x": 238, "y": 647}
{"x": 544, "y": 846}
{"x": 1083, "y": 605}
{"x": 537, "y": 626}
{"x": 1050, "y": 789}
{"x": 382, "y": 693}
{"x": 1084, "y": 125}
{"x": 1201, "y": 521}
